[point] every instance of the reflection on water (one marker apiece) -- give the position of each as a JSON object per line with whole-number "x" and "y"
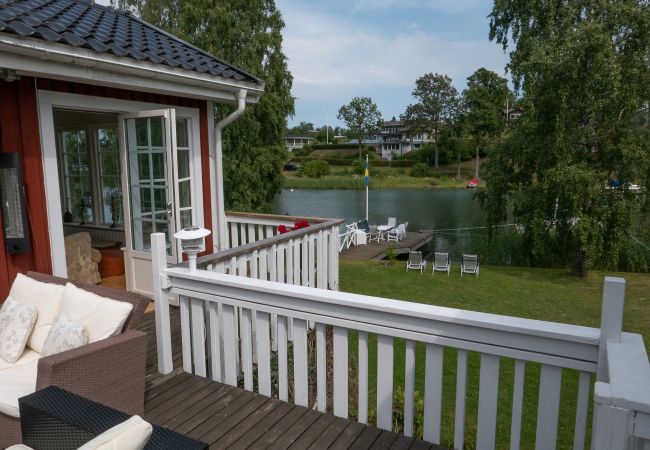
{"x": 423, "y": 209}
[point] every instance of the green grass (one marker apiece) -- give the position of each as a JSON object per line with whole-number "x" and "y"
{"x": 385, "y": 182}
{"x": 544, "y": 294}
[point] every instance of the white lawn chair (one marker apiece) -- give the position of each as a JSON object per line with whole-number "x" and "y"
{"x": 441, "y": 263}
{"x": 416, "y": 262}
{"x": 392, "y": 221}
{"x": 374, "y": 234}
{"x": 469, "y": 264}
{"x": 397, "y": 234}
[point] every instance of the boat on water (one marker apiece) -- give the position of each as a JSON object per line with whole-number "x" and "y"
{"x": 472, "y": 184}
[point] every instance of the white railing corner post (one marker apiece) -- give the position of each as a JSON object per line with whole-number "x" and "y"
{"x": 611, "y": 321}
{"x": 161, "y": 304}
{"x": 612, "y": 428}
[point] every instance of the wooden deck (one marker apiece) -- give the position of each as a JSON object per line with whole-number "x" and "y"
{"x": 229, "y": 417}
{"x": 377, "y": 250}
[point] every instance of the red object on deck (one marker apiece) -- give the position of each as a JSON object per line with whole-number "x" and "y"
{"x": 296, "y": 226}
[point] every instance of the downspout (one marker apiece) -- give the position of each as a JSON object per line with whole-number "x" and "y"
{"x": 221, "y": 243}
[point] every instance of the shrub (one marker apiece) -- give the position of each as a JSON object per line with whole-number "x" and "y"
{"x": 332, "y": 146}
{"x": 420, "y": 170}
{"x": 402, "y": 163}
{"x": 305, "y": 151}
{"x": 314, "y": 169}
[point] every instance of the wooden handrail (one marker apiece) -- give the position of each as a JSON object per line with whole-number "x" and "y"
{"x": 278, "y": 217}
{"x": 226, "y": 255}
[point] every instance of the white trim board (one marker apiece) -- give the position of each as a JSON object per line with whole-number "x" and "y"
{"x": 35, "y": 57}
{"x": 47, "y": 102}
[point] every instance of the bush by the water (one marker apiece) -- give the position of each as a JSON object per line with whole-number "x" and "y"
{"x": 314, "y": 169}
{"x": 420, "y": 170}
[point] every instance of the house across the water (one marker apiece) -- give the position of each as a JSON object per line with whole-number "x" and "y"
{"x": 112, "y": 122}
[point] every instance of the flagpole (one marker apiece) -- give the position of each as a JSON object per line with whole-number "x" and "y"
{"x": 367, "y": 182}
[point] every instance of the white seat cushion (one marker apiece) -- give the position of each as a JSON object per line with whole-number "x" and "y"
{"x": 130, "y": 435}
{"x": 101, "y": 316}
{"x": 19, "y": 447}
{"x": 46, "y": 297}
{"x": 18, "y": 380}
{"x": 16, "y": 324}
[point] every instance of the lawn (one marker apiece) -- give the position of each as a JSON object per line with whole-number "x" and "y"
{"x": 545, "y": 294}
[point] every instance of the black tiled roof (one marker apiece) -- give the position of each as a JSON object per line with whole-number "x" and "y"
{"x": 81, "y": 23}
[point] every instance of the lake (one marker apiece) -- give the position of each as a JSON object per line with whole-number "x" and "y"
{"x": 423, "y": 209}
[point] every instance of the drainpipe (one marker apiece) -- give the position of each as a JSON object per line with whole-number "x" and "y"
{"x": 221, "y": 243}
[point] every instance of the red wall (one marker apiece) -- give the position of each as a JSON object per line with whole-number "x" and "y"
{"x": 20, "y": 133}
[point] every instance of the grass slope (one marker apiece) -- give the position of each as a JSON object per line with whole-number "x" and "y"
{"x": 544, "y": 294}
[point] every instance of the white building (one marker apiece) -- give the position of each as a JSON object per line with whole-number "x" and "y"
{"x": 294, "y": 142}
{"x": 395, "y": 141}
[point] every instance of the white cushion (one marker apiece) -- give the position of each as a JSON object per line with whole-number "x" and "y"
{"x": 18, "y": 380}
{"x": 64, "y": 335}
{"x": 19, "y": 447}
{"x": 16, "y": 324}
{"x": 130, "y": 435}
{"x": 101, "y": 316}
{"x": 46, "y": 297}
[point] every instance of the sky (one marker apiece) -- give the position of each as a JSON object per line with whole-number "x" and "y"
{"x": 339, "y": 49}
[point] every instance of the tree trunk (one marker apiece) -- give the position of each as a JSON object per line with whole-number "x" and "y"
{"x": 458, "y": 166}
{"x": 436, "y": 157}
{"x": 360, "y": 157}
{"x": 579, "y": 266}
{"x": 478, "y": 162}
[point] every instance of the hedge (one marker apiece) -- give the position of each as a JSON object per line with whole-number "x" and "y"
{"x": 352, "y": 162}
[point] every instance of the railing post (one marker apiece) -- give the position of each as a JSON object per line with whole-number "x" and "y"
{"x": 612, "y": 425}
{"x": 611, "y": 321}
{"x": 161, "y": 303}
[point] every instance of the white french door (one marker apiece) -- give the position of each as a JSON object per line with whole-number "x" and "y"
{"x": 156, "y": 199}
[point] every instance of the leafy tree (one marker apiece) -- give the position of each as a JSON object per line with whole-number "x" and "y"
{"x": 301, "y": 130}
{"x": 484, "y": 101}
{"x": 436, "y": 106}
{"x": 248, "y": 34}
{"x": 362, "y": 117}
{"x": 583, "y": 68}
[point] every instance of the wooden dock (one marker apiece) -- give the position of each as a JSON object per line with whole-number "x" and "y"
{"x": 413, "y": 241}
{"x": 229, "y": 417}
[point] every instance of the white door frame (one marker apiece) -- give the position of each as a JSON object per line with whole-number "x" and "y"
{"x": 47, "y": 102}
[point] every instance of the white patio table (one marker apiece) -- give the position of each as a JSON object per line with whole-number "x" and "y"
{"x": 383, "y": 229}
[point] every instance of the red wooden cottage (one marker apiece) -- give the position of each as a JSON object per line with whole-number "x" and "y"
{"x": 111, "y": 122}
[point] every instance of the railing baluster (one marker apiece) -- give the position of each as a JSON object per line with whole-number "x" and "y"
{"x": 290, "y": 245}
{"x": 263, "y": 273}
{"x": 305, "y": 261}
{"x": 247, "y": 348}
{"x": 229, "y": 345}
{"x": 332, "y": 252}
{"x": 321, "y": 368}
{"x": 385, "y": 382}
{"x": 517, "y": 404}
{"x": 263, "y": 353}
{"x": 461, "y": 390}
{"x": 283, "y": 360}
{"x": 255, "y": 264}
{"x": 270, "y": 231}
{"x": 433, "y": 393}
{"x": 280, "y": 264}
{"x": 242, "y": 269}
{"x": 234, "y": 235}
{"x": 582, "y": 410}
{"x": 321, "y": 281}
{"x": 311, "y": 274}
{"x": 215, "y": 341}
{"x": 363, "y": 377}
{"x": 186, "y": 334}
{"x": 340, "y": 344}
{"x": 300, "y": 367}
{"x": 251, "y": 233}
{"x": 232, "y": 270}
{"x": 409, "y": 387}
{"x": 273, "y": 258}
{"x": 548, "y": 409}
{"x": 242, "y": 234}
{"x": 198, "y": 337}
{"x": 297, "y": 244}
{"x": 487, "y": 402}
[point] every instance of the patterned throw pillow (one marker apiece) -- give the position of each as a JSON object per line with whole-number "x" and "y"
{"x": 16, "y": 324}
{"x": 64, "y": 335}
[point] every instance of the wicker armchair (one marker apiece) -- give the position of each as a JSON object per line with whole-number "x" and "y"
{"x": 110, "y": 371}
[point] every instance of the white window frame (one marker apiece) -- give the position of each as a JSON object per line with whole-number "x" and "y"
{"x": 50, "y": 100}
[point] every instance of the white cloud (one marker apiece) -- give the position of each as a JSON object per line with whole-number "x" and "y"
{"x": 329, "y": 54}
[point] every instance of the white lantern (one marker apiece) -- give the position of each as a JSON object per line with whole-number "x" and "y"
{"x": 192, "y": 240}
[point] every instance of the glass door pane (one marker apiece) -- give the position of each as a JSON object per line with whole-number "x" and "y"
{"x": 150, "y": 196}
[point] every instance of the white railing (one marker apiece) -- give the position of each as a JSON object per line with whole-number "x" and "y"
{"x": 306, "y": 257}
{"x": 210, "y": 347}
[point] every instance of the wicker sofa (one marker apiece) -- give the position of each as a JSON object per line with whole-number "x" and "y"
{"x": 110, "y": 371}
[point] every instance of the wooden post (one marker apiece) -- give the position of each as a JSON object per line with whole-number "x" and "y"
{"x": 611, "y": 321}
{"x": 613, "y": 426}
{"x": 161, "y": 303}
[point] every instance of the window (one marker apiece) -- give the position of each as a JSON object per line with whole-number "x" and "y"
{"x": 90, "y": 174}
{"x": 184, "y": 164}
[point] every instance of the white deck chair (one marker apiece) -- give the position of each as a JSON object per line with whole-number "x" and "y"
{"x": 469, "y": 264}
{"x": 392, "y": 221}
{"x": 416, "y": 262}
{"x": 374, "y": 234}
{"x": 441, "y": 263}
{"x": 397, "y": 234}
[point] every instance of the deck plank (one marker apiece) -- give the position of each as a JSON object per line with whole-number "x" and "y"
{"x": 230, "y": 417}
{"x": 377, "y": 250}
